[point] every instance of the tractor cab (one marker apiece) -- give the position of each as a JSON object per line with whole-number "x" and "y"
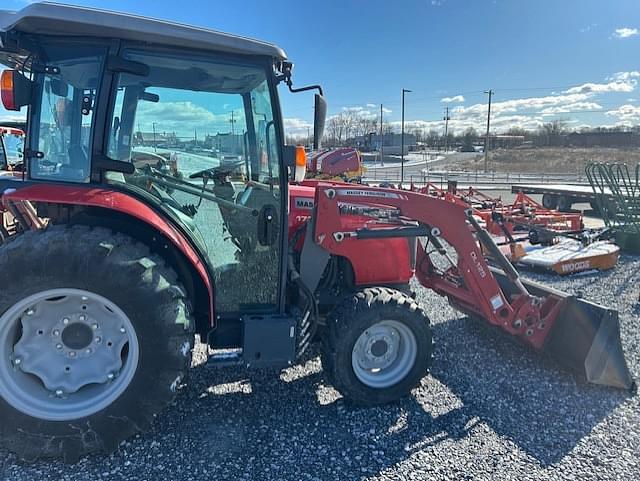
{"x": 184, "y": 119}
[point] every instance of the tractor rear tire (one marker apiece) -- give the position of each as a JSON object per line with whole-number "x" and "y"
{"x": 95, "y": 338}
{"x": 377, "y": 346}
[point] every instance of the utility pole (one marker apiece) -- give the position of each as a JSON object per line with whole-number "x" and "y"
{"x": 155, "y": 149}
{"x": 446, "y": 129}
{"x": 381, "y": 139}
{"x": 402, "y": 141}
{"x": 486, "y": 139}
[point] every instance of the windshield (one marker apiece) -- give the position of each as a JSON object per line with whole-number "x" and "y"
{"x": 13, "y": 146}
{"x": 188, "y": 116}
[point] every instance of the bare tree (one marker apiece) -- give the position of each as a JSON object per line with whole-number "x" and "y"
{"x": 433, "y": 138}
{"x": 468, "y": 138}
{"x": 552, "y": 132}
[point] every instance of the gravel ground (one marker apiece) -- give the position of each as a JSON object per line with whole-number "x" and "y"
{"x": 489, "y": 410}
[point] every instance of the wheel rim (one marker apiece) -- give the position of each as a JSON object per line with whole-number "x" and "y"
{"x": 65, "y": 354}
{"x": 384, "y": 354}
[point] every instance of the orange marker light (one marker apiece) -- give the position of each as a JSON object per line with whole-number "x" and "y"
{"x": 301, "y": 156}
{"x": 301, "y": 164}
{"x": 7, "y": 90}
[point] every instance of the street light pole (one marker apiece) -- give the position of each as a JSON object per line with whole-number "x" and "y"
{"x": 381, "y": 139}
{"x": 154, "y": 137}
{"x": 446, "y": 130}
{"x": 402, "y": 141}
{"x": 486, "y": 139}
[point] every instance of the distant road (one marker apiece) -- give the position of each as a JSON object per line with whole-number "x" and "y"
{"x": 414, "y": 165}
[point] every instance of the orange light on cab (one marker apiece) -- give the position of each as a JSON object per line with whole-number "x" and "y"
{"x": 6, "y": 90}
{"x": 301, "y": 164}
{"x": 15, "y": 90}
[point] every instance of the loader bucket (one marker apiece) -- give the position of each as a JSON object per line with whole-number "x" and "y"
{"x": 585, "y": 337}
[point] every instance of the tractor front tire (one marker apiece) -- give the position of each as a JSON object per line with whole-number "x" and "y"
{"x": 377, "y": 346}
{"x": 95, "y": 337}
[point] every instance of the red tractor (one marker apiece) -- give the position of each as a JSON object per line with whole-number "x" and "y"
{"x": 166, "y": 205}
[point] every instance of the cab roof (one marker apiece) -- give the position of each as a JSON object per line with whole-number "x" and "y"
{"x": 66, "y": 20}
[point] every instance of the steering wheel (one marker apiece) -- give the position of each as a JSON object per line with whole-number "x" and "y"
{"x": 218, "y": 171}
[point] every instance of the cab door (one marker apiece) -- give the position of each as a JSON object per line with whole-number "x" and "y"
{"x": 209, "y": 125}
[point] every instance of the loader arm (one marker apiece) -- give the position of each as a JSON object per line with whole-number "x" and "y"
{"x": 468, "y": 282}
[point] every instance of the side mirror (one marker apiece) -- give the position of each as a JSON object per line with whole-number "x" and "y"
{"x": 15, "y": 90}
{"x": 319, "y": 118}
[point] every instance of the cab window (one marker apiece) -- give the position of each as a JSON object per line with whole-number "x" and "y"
{"x": 65, "y": 114}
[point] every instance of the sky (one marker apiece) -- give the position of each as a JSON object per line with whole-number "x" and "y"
{"x": 574, "y": 60}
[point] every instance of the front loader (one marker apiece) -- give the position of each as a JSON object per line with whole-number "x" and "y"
{"x": 164, "y": 204}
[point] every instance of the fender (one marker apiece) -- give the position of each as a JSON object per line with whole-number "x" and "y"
{"x": 121, "y": 202}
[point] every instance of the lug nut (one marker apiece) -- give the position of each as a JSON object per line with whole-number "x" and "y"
{"x": 56, "y": 332}
{"x": 58, "y": 346}
{"x": 84, "y": 298}
{"x": 59, "y": 392}
{"x": 65, "y": 320}
{"x": 72, "y": 354}
{"x": 30, "y": 312}
{"x": 110, "y": 376}
{"x": 17, "y": 361}
{"x": 88, "y": 351}
{"x": 82, "y": 317}
{"x": 529, "y": 332}
{"x": 98, "y": 340}
{"x": 122, "y": 330}
{"x": 94, "y": 326}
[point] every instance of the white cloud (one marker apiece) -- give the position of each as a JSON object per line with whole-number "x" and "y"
{"x": 615, "y": 86}
{"x": 12, "y": 117}
{"x": 455, "y": 98}
{"x": 372, "y": 106}
{"x": 296, "y": 127}
{"x": 186, "y": 118}
{"x": 625, "y": 32}
{"x": 573, "y": 107}
{"x": 588, "y": 28}
{"x": 625, "y": 113}
{"x": 516, "y": 105}
{"x": 386, "y": 110}
{"x": 362, "y": 111}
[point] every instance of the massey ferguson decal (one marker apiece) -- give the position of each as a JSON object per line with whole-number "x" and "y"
{"x": 304, "y": 203}
{"x": 369, "y": 193}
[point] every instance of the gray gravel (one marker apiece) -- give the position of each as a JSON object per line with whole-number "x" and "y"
{"x": 490, "y": 410}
